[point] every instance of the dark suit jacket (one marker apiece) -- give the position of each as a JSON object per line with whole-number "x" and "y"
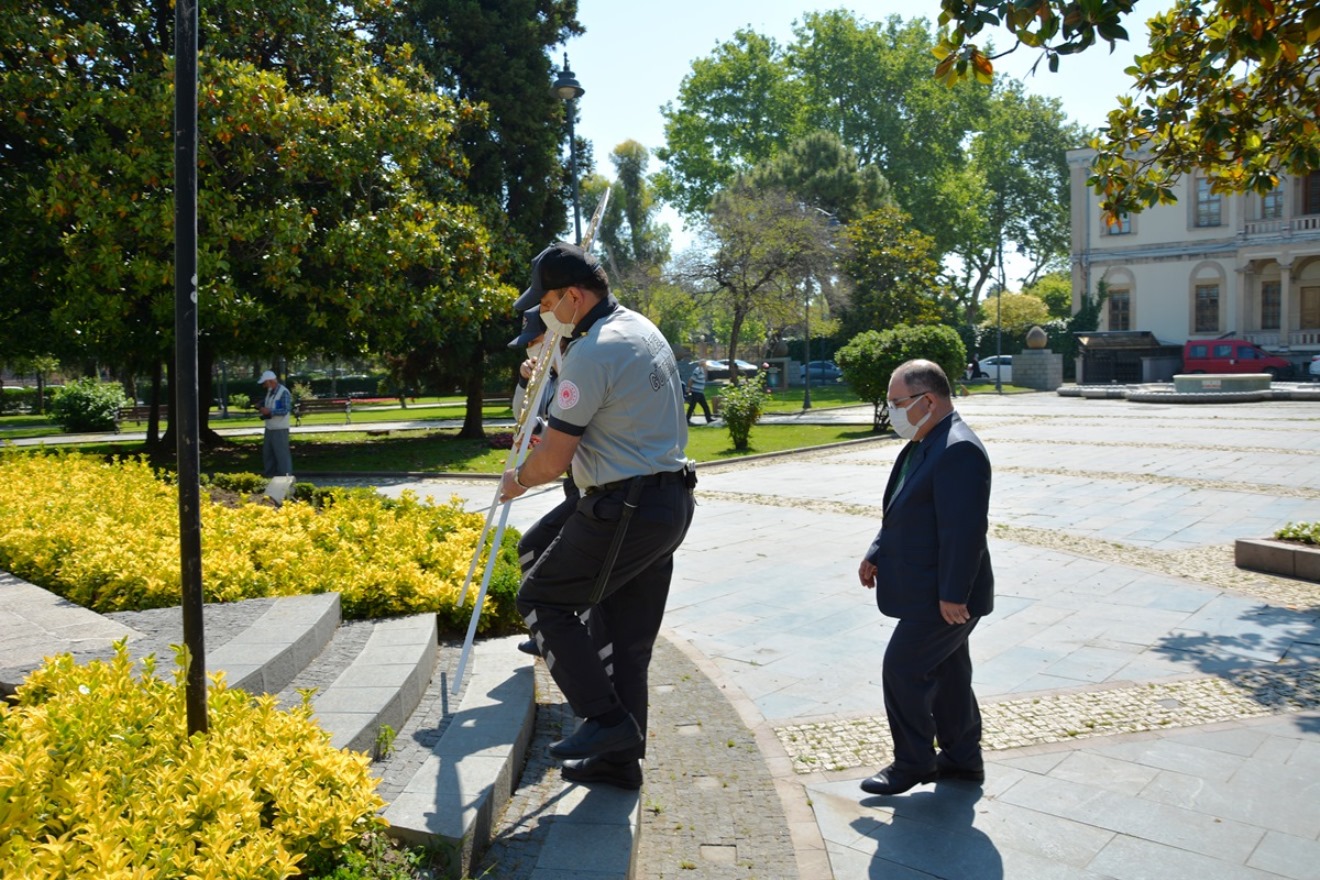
{"x": 932, "y": 545}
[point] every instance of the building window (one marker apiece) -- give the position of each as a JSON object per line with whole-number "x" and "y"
{"x": 1207, "y": 308}
{"x": 1120, "y": 310}
{"x": 1269, "y": 305}
{"x": 1271, "y": 204}
{"x": 1209, "y": 206}
{"x": 1311, "y": 193}
{"x": 1122, "y": 227}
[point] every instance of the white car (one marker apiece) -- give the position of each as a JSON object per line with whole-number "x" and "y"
{"x": 998, "y": 366}
{"x": 1315, "y": 368}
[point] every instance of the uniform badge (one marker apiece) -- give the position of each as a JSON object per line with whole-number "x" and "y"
{"x": 569, "y": 395}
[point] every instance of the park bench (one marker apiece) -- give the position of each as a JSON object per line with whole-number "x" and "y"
{"x": 307, "y": 406}
{"x": 138, "y": 413}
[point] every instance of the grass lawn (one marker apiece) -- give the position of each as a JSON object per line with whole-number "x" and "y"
{"x": 440, "y": 451}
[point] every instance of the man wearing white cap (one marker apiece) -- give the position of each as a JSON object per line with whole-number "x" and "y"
{"x": 276, "y": 459}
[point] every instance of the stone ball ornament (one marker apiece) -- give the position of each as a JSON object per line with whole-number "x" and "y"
{"x": 1037, "y": 338}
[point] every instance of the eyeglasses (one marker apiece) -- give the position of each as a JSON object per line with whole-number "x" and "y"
{"x": 895, "y": 404}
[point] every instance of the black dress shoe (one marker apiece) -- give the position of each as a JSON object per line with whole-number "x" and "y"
{"x": 949, "y": 770}
{"x": 588, "y": 770}
{"x": 893, "y": 780}
{"x": 591, "y": 739}
{"x": 529, "y": 646}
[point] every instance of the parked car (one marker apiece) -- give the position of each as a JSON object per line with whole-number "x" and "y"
{"x": 998, "y": 367}
{"x": 1315, "y": 368}
{"x": 720, "y": 369}
{"x": 820, "y": 371}
{"x": 1231, "y": 356}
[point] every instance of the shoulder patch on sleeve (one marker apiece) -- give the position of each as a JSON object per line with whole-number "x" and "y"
{"x": 569, "y": 395}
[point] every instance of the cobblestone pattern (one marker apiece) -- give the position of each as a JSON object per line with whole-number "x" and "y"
{"x": 1010, "y": 724}
{"x": 413, "y": 742}
{"x": 163, "y": 627}
{"x": 348, "y": 641}
{"x": 709, "y": 806}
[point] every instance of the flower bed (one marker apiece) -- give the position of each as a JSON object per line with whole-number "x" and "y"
{"x": 105, "y": 535}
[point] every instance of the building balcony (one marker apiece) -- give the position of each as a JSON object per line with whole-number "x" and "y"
{"x": 1308, "y": 226}
{"x": 1293, "y": 339}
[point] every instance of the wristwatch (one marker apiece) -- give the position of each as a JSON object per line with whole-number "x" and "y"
{"x": 517, "y": 477}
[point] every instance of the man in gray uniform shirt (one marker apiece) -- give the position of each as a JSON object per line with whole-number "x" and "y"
{"x": 617, "y": 418}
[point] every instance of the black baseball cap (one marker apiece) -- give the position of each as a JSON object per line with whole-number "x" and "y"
{"x": 560, "y": 265}
{"x": 532, "y": 327}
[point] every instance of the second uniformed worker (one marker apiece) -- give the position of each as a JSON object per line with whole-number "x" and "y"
{"x": 617, "y": 418}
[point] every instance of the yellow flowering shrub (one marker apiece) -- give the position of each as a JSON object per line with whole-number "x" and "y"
{"x": 105, "y": 535}
{"x": 100, "y": 780}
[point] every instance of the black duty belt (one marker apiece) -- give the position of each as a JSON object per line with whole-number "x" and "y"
{"x": 659, "y": 479}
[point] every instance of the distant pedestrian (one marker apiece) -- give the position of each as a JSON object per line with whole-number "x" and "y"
{"x": 275, "y": 410}
{"x": 696, "y": 392}
{"x": 930, "y": 568}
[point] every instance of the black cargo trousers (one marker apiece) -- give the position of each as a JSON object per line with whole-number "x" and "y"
{"x": 603, "y": 664}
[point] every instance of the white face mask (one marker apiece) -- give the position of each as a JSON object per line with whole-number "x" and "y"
{"x": 534, "y": 350}
{"x": 552, "y": 323}
{"x": 904, "y": 427}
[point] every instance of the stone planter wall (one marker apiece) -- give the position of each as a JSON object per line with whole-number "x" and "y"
{"x": 1285, "y": 558}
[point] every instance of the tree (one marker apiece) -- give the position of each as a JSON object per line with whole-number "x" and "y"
{"x": 869, "y": 359}
{"x": 754, "y": 249}
{"x": 634, "y": 242}
{"x": 820, "y": 171}
{"x": 1055, "y": 290}
{"x": 734, "y": 110}
{"x": 1016, "y": 313}
{"x": 894, "y": 274}
{"x": 1021, "y": 188}
{"x": 494, "y": 53}
{"x": 1228, "y": 88}
{"x": 329, "y": 187}
{"x": 868, "y": 84}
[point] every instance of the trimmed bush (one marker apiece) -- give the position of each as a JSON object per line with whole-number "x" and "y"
{"x": 101, "y": 780}
{"x": 741, "y": 406}
{"x": 88, "y": 405}
{"x": 105, "y": 535}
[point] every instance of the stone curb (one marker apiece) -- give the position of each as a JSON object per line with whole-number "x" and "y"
{"x": 263, "y": 659}
{"x": 463, "y": 785}
{"x": 383, "y": 684}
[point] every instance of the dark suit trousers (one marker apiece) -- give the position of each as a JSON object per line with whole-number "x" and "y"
{"x": 928, "y": 694}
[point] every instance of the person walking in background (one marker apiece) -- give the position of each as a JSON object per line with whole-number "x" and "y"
{"x": 696, "y": 391}
{"x": 617, "y": 417}
{"x": 930, "y": 568}
{"x": 275, "y": 410}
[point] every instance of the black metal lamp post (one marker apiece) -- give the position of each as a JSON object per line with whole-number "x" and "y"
{"x": 567, "y": 88}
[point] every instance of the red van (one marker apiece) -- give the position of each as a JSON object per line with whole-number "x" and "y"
{"x": 1231, "y": 356}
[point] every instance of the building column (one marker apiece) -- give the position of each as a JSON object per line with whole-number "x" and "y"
{"x": 1285, "y": 301}
{"x": 1246, "y": 294}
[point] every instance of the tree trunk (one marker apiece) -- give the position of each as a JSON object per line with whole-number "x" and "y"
{"x": 472, "y": 429}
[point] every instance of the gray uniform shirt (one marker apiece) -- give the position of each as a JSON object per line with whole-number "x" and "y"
{"x": 619, "y": 391}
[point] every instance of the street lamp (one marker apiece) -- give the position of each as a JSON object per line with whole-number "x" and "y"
{"x": 567, "y": 88}
{"x": 806, "y": 369}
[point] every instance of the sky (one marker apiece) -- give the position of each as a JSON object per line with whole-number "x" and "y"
{"x": 635, "y": 55}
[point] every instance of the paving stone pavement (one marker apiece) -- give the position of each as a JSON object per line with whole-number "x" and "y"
{"x": 1151, "y": 710}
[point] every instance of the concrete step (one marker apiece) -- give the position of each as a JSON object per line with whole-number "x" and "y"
{"x": 383, "y": 684}
{"x": 266, "y": 655}
{"x": 465, "y": 781}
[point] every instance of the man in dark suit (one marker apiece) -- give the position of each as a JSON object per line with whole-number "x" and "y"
{"x": 930, "y": 569}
